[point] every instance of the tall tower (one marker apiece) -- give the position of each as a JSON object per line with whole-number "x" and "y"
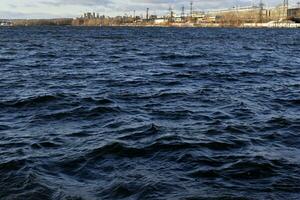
{"x": 191, "y": 9}
{"x": 182, "y": 12}
{"x": 171, "y": 14}
{"x": 285, "y": 9}
{"x": 261, "y": 9}
{"x": 147, "y": 14}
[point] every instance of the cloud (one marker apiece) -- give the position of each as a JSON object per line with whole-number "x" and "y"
{"x": 21, "y": 15}
{"x": 79, "y": 2}
{"x": 72, "y": 8}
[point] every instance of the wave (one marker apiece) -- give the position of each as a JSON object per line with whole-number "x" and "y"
{"x": 50, "y": 99}
{"x": 251, "y": 172}
{"x": 12, "y": 165}
{"x": 45, "y": 145}
{"x": 280, "y": 121}
{"x": 181, "y": 56}
{"x": 31, "y": 101}
{"x": 293, "y": 102}
{"x": 4, "y": 127}
{"x": 5, "y": 60}
{"x": 162, "y": 144}
{"x": 80, "y": 112}
{"x": 140, "y": 132}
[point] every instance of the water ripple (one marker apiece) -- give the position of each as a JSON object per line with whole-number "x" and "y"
{"x": 149, "y": 113}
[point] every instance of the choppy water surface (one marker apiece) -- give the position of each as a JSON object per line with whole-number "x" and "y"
{"x": 149, "y": 113}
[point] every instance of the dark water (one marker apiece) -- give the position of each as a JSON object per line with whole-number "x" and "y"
{"x": 100, "y": 113}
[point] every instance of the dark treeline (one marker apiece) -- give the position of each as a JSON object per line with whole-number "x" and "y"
{"x": 43, "y": 22}
{"x": 110, "y": 21}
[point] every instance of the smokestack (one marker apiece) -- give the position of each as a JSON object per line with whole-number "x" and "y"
{"x": 147, "y": 14}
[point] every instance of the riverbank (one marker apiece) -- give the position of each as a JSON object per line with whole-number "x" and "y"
{"x": 74, "y": 22}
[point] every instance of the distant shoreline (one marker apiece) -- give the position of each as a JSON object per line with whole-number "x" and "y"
{"x": 258, "y": 26}
{"x": 72, "y": 22}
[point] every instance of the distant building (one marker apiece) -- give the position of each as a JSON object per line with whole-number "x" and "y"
{"x": 153, "y": 17}
{"x": 93, "y": 15}
{"x": 5, "y": 23}
{"x": 251, "y": 14}
{"x": 160, "y": 20}
{"x": 233, "y": 16}
{"x": 294, "y": 14}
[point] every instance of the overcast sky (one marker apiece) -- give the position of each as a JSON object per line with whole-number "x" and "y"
{"x": 73, "y": 8}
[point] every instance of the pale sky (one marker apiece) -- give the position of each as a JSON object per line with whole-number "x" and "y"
{"x": 74, "y": 8}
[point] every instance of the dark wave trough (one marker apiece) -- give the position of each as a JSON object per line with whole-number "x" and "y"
{"x": 149, "y": 113}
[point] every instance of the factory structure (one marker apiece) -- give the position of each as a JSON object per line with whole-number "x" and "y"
{"x": 4, "y": 22}
{"x": 236, "y": 16}
{"x": 258, "y": 13}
